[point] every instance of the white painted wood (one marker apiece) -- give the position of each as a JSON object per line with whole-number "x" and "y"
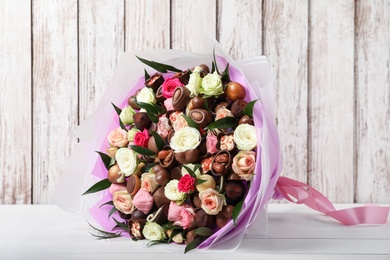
{"x": 239, "y": 27}
{"x": 373, "y": 101}
{"x": 191, "y": 19}
{"x": 15, "y": 102}
{"x": 101, "y": 42}
{"x": 288, "y": 238}
{"x": 331, "y": 99}
{"x": 147, "y": 24}
{"x": 55, "y": 98}
{"x": 286, "y": 47}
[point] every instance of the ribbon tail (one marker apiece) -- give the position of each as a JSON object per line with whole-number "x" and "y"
{"x": 301, "y": 193}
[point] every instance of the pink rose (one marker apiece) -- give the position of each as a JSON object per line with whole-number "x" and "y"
{"x": 169, "y": 86}
{"x": 244, "y": 164}
{"x": 180, "y": 122}
{"x": 186, "y": 183}
{"x": 163, "y": 126}
{"x": 122, "y": 201}
{"x": 212, "y": 201}
{"x": 118, "y": 137}
{"x": 181, "y": 215}
{"x": 222, "y": 113}
{"x": 116, "y": 187}
{"x": 143, "y": 201}
{"x": 141, "y": 138}
{"x": 168, "y": 104}
{"x": 211, "y": 143}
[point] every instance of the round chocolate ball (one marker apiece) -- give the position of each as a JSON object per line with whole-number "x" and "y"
{"x": 235, "y": 190}
{"x": 224, "y": 216}
{"x": 202, "y": 219}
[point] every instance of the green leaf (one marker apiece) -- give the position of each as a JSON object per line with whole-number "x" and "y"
{"x": 199, "y": 181}
{"x": 204, "y": 231}
{"x": 225, "y": 75}
{"x": 194, "y": 243}
{"x": 160, "y": 67}
{"x": 156, "y": 242}
{"x": 190, "y": 171}
{"x": 111, "y": 203}
{"x": 173, "y": 234}
{"x": 105, "y": 159}
{"x": 215, "y": 62}
{"x": 148, "y": 107}
{"x": 147, "y": 76}
{"x": 237, "y": 210}
{"x": 117, "y": 109}
{"x": 99, "y": 186}
{"x": 223, "y": 123}
{"x": 104, "y": 234}
{"x": 152, "y": 117}
{"x": 190, "y": 121}
{"x": 206, "y": 105}
{"x": 112, "y": 211}
{"x": 121, "y": 224}
{"x": 142, "y": 150}
{"x": 159, "y": 141}
{"x": 197, "y": 167}
{"x": 212, "y": 67}
{"x": 149, "y": 166}
{"x": 248, "y": 109}
{"x": 122, "y": 124}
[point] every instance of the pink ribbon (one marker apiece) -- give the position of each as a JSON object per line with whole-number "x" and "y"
{"x": 303, "y": 193}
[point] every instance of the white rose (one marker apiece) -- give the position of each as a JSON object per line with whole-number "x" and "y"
{"x": 146, "y": 95}
{"x": 186, "y": 138}
{"x": 211, "y": 85}
{"x": 172, "y": 192}
{"x": 131, "y": 133}
{"x": 153, "y": 231}
{"x": 127, "y": 161}
{"x": 245, "y": 137}
{"x": 192, "y": 167}
{"x": 126, "y": 115}
{"x": 195, "y": 82}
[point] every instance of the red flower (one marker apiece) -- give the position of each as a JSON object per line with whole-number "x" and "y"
{"x": 141, "y": 138}
{"x": 186, "y": 183}
{"x": 169, "y": 86}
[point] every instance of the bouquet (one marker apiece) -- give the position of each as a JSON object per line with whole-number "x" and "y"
{"x": 186, "y": 149}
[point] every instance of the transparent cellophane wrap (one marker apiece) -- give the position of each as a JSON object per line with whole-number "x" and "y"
{"x": 84, "y": 167}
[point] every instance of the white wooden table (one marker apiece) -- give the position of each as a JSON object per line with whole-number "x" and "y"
{"x": 294, "y": 232}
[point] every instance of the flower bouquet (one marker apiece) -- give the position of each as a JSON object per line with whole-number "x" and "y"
{"x": 186, "y": 150}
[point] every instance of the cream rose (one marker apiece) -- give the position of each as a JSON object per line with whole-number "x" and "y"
{"x": 245, "y": 137}
{"x": 186, "y": 138}
{"x": 211, "y": 85}
{"x": 126, "y": 115}
{"x": 127, "y": 161}
{"x": 118, "y": 137}
{"x": 212, "y": 201}
{"x": 172, "y": 192}
{"x": 131, "y": 133}
{"x": 180, "y": 122}
{"x": 222, "y": 113}
{"x": 122, "y": 201}
{"x": 153, "y": 231}
{"x": 148, "y": 182}
{"x": 146, "y": 95}
{"x": 244, "y": 164}
{"x": 195, "y": 82}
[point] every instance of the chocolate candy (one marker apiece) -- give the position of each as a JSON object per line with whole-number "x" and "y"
{"x": 166, "y": 157}
{"x": 133, "y": 184}
{"x": 182, "y": 76}
{"x": 136, "y": 227}
{"x": 159, "y": 197}
{"x": 234, "y": 91}
{"x": 180, "y": 98}
{"x": 245, "y": 120}
{"x": 160, "y": 216}
{"x": 189, "y": 156}
{"x": 132, "y": 102}
{"x": 176, "y": 173}
{"x": 222, "y": 163}
{"x": 141, "y": 120}
{"x": 155, "y": 81}
{"x": 162, "y": 175}
{"x": 115, "y": 175}
{"x": 224, "y": 216}
{"x": 202, "y": 219}
{"x": 138, "y": 215}
{"x": 202, "y": 117}
{"x": 235, "y": 190}
{"x": 159, "y": 95}
{"x": 237, "y": 107}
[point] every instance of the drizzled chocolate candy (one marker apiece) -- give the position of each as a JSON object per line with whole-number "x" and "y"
{"x": 180, "y": 98}
{"x": 201, "y": 117}
{"x": 155, "y": 81}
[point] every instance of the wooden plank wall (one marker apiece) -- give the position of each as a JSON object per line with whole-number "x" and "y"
{"x": 330, "y": 61}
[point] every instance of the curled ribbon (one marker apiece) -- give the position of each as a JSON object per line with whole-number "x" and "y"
{"x": 305, "y": 194}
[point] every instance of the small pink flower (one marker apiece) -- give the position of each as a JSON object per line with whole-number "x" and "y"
{"x": 141, "y": 138}
{"x": 244, "y": 164}
{"x": 211, "y": 143}
{"x": 169, "y": 86}
{"x": 181, "y": 215}
{"x": 212, "y": 201}
{"x": 168, "y": 104}
{"x": 163, "y": 126}
{"x": 122, "y": 201}
{"x": 186, "y": 184}
{"x": 118, "y": 137}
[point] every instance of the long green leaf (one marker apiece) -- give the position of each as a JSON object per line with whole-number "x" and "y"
{"x": 194, "y": 243}
{"x": 204, "y": 231}
{"x": 236, "y": 211}
{"x": 117, "y": 109}
{"x": 99, "y": 186}
{"x": 163, "y": 68}
{"x": 223, "y": 123}
{"x": 105, "y": 234}
{"x": 121, "y": 224}
{"x": 147, "y": 76}
{"x": 105, "y": 159}
{"x": 248, "y": 109}
{"x": 199, "y": 181}
{"x": 152, "y": 117}
{"x": 142, "y": 150}
{"x": 111, "y": 203}
{"x": 190, "y": 171}
{"x": 149, "y": 166}
{"x": 225, "y": 75}
{"x": 159, "y": 141}
{"x": 190, "y": 121}
{"x": 112, "y": 211}
{"x": 148, "y": 107}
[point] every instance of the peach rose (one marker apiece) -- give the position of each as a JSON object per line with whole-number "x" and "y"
{"x": 212, "y": 201}
{"x": 148, "y": 182}
{"x": 122, "y": 201}
{"x": 222, "y": 113}
{"x": 244, "y": 164}
{"x": 118, "y": 137}
{"x": 180, "y": 122}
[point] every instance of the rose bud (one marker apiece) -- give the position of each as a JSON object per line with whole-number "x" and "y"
{"x": 224, "y": 216}
{"x": 115, "y": 175}
{"x": 142, "y": 121}
{"x": 234, "y": 91}
{"x": 237, "y": 107}
{"x": 155, "y": 81}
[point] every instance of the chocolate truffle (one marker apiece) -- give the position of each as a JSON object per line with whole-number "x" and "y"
{"x": 245, "y": 120}
{"x": 237, "y": 107}
{"x": 224, "y": 216}
{"x": 159, "y": 197}
{"x": 133, "y": 184}
{"x": 160, "y": 216}
{"x": 162, "y": 175}
{"x": 142, "y": 121}
{"x": 180, "y": 97}
{"x": 234, "y": 91}
{"x": 182, "y": 76}
{"x": 202, "y": 117}
{"x": 222, "y": 163}
{"x": 189, "y": 156}
{"x": 235, "y": 190}
{"x": 132, "y": 102}
{"x": 202, "y": 219}
{"x": 166, "y": 157}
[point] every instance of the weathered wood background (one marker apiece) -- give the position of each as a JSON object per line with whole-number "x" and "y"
{"x": 331, "y": 74}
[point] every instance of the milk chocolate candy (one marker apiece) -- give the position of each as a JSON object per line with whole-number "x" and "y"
{"x": 202, "y": 219}
{"x": 160, "y": 216}
{"x": 133, "y": 184}
{"x": 155, "y": 81}
{"x": 237, "y": 107}
{"x": 141, "y": 120}
{"x": 222, "y": 163}
{"x": 136, "y": 227}
{"x": 162, "y": 175}
{"x": 182, "y": 76}
{"x": 159, "y": 95}
{"x": 180, "y": 98}
{"x": 132, "y": 102}
{"x": 138, "y": 215}
{"x": 245, "y": 120}
{"x": 224, "y": 216}
{"x": 166, "y": 157}
{"x": 176, "y": 173}
{"x": 235, "y": 190}
{"x": 159, "y": 197}
{"x": 202, "y": 117}
{"x": 189, "y": 156}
